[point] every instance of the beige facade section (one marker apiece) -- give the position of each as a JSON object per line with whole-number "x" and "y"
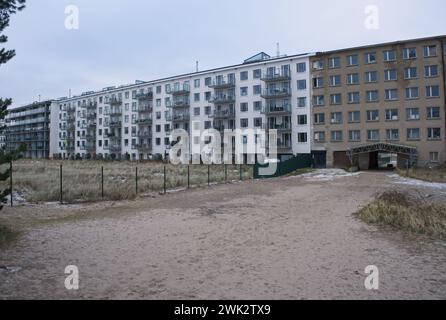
{"x": 422, "y": 113}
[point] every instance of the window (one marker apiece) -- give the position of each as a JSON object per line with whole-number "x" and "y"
{"x": 207, "y": 96}
{"x": 319, "y": 136}
{"x": 319, "y": 100}
{"x": 244, "y": 123}
{"x": 318, "y": 82}
{"x": 207, "y": 110}
{"x": 158, "y": 115}
{"x": 432, "y": 91}
{"x": 158, "y": 141}
{"x": 319, "y": 118}
{"x": 370, "y": 57}
{"x": 301, "y": 102}
{"x": 413, "y": 114}
{"x": 354, "y": 116}
{"x": 158, "y": 89}
{"x": 390, "y": 75}
{"x": 336, "y": 136}
{"x": 372, "y": 115}
{"x": 413, "y": 134}
{"x": 167, "y": 128}
{"x": 257, "y": 105}
{"x": 431, "y": 71}
{"x": 392, "y": 134}
{"x": 433, "y": 112}
{"x": 166, "y": 141}
{"x": 371, "y": 76}
{"x": 372, "y": 96}
{"x": 335, "y": 80}
{"x": 197, "y": 111}
{"x": 243, "y": 107}
{"x": 391, "y": 114}
{"x": 352, "y": 60}
{"x": 257, "y": 122}
{"x": 334, "y": 63}
{"x": 244, "y": 91}
{"x": 373, "y": 135}
{"x": 336, "y": 117}
{"x": 353, "y": 97}
{"x": 196, "y": 97}
{"x": 207, "y": 81}
{"x": 244, "y": 75}
{"x": 410, "y": 73}
{"x": 301, "y": 67}
{"x": 434, "y": 156}
{"x": 301, "y": 84}
{"x": 409, "y": 53}
{"x": 412, "y": 93}
{"x": 302, "y": 119}
{"x": 389, "y": 55}
{"x": 158, "y": 102}
{"x": 318, "y": 65}
{"x": 354, "y": 135}
{"x": 336, "y": 99}
{"x": 257, "y": 73}
{"x": 353, "y": 78}
{"x": 433, "y": 133}
{"x": 391, "y": 94}
{"x": 301, "y": 137}
{"x": 257, "y": 89}
{"x": 158, "y": 128}
{"x": 430, "y": 51}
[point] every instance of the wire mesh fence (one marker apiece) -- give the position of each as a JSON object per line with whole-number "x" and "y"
{"x": 80, "y": 181}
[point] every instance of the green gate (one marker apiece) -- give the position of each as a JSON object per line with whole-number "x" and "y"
{"x": 285, "y": 167}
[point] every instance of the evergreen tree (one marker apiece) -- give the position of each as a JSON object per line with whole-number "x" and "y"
{"x": 7, "y": 8}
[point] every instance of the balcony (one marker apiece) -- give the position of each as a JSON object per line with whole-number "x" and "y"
{"x": 273, "y": 93}
{"x": 92, "y": 105}
{"x": 284, "y": 145}
{"x": 71, "y": 127}
{"x": 222, "y": 83}
{"x": 91, "y": 137}
{"x": 180, "y": 104}
{"x": 115, "y": 112}
{"x": 144, "y": 96}
{"x": 278, "y": 75}
{"x": 115, "y": 124}
{"x": 144, "y": 134}
{"x": 91, "y": 115}
{"x": 115, "y": 148}
{"x": 286, "y": 126}
{"x": 223, "y": 114}
{"x": 144, "y": 147}
{"x": 90, "y": 147}
{"x": 181, "y": 117}
{"x": 145, "y": 109}
{"x": 276, "y": 109}
{"x": 114, "y": 102}
{"x": 223, "y": 98}
{"x": 71, "y": 109}
{"x": 180, "y": 90}
{"x": 147, "y": 121}
{"x": 71, "y": 118}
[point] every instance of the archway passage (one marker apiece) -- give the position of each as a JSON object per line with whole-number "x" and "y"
{"x": 382, "y": 155}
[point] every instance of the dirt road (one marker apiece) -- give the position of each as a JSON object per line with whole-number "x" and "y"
{"x": 287, "y": 238}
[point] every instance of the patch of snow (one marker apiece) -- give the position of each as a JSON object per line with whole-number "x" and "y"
{"x": 415, "y": 182}
{"x": 327, "y": 175}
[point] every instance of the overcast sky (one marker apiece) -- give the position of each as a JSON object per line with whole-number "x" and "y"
{"x": 119, "y": 41}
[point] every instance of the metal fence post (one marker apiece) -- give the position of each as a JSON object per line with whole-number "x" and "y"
{"x": 226, "y": 173}
{"x": 136, "y": 180}
{"x": 102, "y": 182}
{"x": 61, "y": 187}
{"x": 209, "y": 182}
{"x": 10, "y": 181}
{"x": 164, "y": 179}
{"x": 240, "y": 170}
{"x": 188, "y": 176}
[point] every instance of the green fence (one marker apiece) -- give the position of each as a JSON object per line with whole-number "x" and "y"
{"x": 285, "y": 167}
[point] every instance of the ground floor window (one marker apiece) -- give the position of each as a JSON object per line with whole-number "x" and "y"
{"x": 434, "y": 156}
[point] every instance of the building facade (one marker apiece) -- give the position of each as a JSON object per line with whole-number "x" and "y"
{"x": 29, "y": 126}
{"x": 389, "y": 93}
{"x": 135, "y": 121}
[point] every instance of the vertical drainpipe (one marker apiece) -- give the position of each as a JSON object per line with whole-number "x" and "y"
{"x": 442, "y": 43}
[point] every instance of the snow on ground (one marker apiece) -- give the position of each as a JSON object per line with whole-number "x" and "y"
{"x": 328, "y": 174}
{"x": 415, "y": 182}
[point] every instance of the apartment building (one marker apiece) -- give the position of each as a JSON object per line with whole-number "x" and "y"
{"x": 29, "y": 126}
{"x": 381, "y": 98}
{"x": 135, "y": 121}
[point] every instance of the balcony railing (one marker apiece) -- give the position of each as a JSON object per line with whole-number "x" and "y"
{"x": 145, "y": 109}
{"x": 114, "y": 101}
{"x": 284, "y": 145}
{"x": 286, "y": 126}
{"x": 90, "y": 147}
{"x": 144, "y": 134}
{"x": 144, "y": 95}
{"x": 179, "y": 90}
{"x": 278, "y": 75}
{"x": 181, "y": 117}
{"x": 115, "y": 148}
{"x": 92, "y": 105}
{"x": 180, "y": 104}
{"x": 115, "y": 124}
{"x": 221, "y": 99}
{"x": 223, "y": 114}
{"x": 222, "y": 83}
{"x": 276, "y": 93}
{"x": 144, "y": 146}
{"x": 276, "y": 109}
{"x": 91, "y": 115}
{"x": 147, "y": 121}
{"x": 115, "y": 112}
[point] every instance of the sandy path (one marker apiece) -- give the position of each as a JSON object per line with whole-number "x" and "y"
{"x": 286, "y": 238}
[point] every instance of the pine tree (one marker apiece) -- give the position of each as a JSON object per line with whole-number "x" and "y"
{"x": 7, "y": 8}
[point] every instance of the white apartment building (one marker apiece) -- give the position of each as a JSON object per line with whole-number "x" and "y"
{"x": 135, "y": 121}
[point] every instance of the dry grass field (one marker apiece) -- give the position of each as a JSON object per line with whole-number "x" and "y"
{"x": 39, "y": 180}
{"x": 431, "y": 175}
